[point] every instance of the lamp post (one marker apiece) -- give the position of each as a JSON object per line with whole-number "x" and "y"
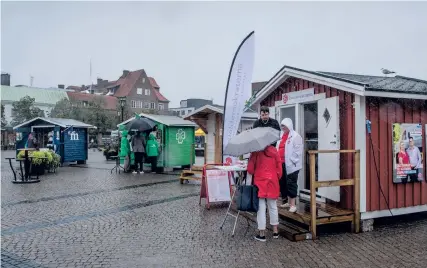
{"x": 122, "y": 101}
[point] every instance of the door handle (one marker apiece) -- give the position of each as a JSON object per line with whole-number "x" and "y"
{"x": 333, "y": 142}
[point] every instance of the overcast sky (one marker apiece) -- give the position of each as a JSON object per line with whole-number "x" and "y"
{"x": 188, "y": 47}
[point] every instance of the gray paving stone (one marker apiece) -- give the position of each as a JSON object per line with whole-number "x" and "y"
{"x": 87, "y": 217}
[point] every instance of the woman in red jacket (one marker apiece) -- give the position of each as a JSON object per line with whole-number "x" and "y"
{"x": 266, "y": 168}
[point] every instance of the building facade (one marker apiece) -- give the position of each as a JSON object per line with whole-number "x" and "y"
{"x": 330, "y": 110}
{"x": 45, "y": 99}
{"x": 189, "y": 105}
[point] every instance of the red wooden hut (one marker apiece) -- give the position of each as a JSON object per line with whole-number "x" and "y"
{"x": 330, "y": 110}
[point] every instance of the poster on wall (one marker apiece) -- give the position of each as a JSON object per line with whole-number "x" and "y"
{"x": 407, "y": 153}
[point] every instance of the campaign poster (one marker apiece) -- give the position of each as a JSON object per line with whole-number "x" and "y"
{"x": 408, "y": 153}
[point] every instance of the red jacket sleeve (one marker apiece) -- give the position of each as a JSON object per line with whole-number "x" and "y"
{"x": 279, "y": 166}
{"x": 251, "y": 163}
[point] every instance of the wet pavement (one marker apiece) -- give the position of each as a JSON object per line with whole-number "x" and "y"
{"x": 87, "y": 217}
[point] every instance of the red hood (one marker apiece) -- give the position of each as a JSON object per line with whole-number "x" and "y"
{"x": 270, "y": 151}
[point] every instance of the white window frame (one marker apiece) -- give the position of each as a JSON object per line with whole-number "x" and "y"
{"x": 147, "y": 92}
{"x": 133, "y": 104}
{"x": 146, "y": 105}
{"x": 143, "y": 80}
{"x": 161, "y": 106}
{"x": 152, "y": 105}
{"x": 139, "y": 91}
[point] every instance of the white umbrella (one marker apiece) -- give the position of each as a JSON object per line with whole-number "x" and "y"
{"x": 253, "y": 140}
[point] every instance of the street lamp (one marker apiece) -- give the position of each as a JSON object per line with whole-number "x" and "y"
{"x": 122, "y": 101}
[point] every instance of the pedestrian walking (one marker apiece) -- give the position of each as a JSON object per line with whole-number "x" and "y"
{"x": 152, "y": 152}
{"x": 291, "y": 153}
{"x": 138, "y": 147}
{"x": 266, "y": 168}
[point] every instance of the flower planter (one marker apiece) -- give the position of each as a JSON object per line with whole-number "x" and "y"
{"x": 38, "y": 169}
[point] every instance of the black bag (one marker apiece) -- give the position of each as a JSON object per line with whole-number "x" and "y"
{"x": 247, "y": 197}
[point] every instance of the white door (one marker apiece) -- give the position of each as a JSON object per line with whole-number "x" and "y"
{"x": 329, "y": 139}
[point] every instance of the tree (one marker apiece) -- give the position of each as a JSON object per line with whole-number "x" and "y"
{"x": 98, "y": 116}
{"x": 65, "y": 109}
{"x": 3, "y": 118}
{"x": 24, "y": 110}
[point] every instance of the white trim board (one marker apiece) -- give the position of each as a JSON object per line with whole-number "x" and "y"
{"x": 395, "y": 211}
{"x": 395, "y": 95}
{"x": 361, "y": 144}
{"x": 41, "y": 126}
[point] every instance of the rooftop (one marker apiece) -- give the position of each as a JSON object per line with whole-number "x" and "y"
{"x": 41, "y": 95}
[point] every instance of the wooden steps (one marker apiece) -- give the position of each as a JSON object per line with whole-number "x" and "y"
{"x": 195, "y": 173}
{"x": 325, "y": 214}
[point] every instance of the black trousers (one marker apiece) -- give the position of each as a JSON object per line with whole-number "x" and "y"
{"x": 283, "y": 185}
{"x": 288, "y": 184}
{"x": 153, "y": 161}
{"x": 292, "y": 184}
{"x": 139, "y": 160}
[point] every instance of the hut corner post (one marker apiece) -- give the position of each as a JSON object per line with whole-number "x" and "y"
{"x": 356, "y": 198}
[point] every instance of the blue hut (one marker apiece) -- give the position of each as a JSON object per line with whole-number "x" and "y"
{"x": 70, "y": 137}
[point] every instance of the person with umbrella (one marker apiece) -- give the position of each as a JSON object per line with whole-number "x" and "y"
{"x": 266, "y": 168}
{"x": 138, "y": 147}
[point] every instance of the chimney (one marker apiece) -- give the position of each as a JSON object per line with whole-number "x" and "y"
{"x": 125, "y": 73}
{"x": 5, "y": 79}
{"x": 61, "y": 86}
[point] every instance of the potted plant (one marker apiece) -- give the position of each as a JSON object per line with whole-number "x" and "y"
{"x": 38, "y": 162}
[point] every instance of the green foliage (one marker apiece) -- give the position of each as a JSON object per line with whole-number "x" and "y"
{"x": 37, "y": 157}
{"x": 21, "y": 155}
{"x": 65, "y": 109}
{"x": 3, "y": 118}
{"x": 56, "y": 159}
{"x": 24, "y": 110}
{"x": 90, "y": 113}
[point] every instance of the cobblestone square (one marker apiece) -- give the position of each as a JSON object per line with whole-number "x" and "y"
{"x": 87, "y": 217}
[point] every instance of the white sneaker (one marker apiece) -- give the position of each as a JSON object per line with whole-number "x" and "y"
{"x": 293, "y": 209}
{"x": 142, "y": 172}
{"x": 286, "y": 205}
{"x": 134, "y": 172}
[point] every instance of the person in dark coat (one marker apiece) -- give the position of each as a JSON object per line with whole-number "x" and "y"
{"x": 265, "y": 120}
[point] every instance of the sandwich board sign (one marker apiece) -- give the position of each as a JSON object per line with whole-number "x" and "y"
{"x": 216, "y": 186}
